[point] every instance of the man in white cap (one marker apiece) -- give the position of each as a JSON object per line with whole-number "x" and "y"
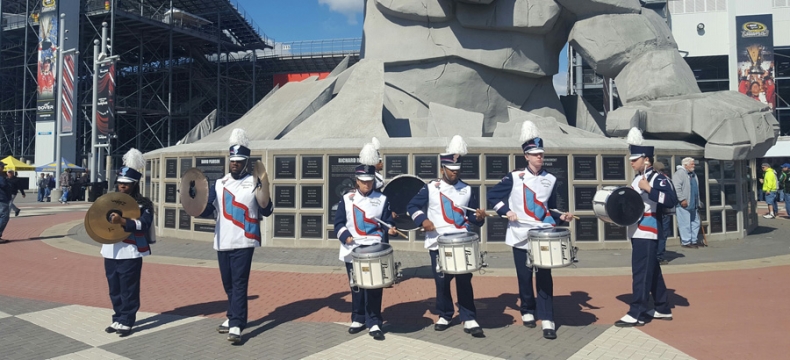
{"x": 357, "y": 225}
{"x": 444, "y": 201}
{"x": 123, "y": 261}
{"x": 238, "y": 199}
{"x": 527, "y": 197}
{"x": 657, "y": 193}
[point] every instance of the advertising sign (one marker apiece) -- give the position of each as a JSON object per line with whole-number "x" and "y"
{"x": 755, "y": 48}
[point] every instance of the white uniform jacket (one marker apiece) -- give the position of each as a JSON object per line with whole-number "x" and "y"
{"x": 440, "y": 202}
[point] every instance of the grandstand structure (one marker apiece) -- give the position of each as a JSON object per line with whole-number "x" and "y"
{"x": 179, "y": 61}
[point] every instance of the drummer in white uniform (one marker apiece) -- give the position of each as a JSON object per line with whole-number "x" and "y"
{"x": 355, "y": 226}
{"x": 441, "y": 199}
{"x": 527, "y": 197}
{"x": 657, "y": 193}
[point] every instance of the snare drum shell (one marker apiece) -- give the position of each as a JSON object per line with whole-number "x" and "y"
{"x": 550, "y": 248}
{"x": 459, "y": 253}
{"x": 374, "y": 270}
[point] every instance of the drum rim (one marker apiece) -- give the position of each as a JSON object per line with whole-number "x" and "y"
{"x": 402, "y": 176}
{"x": 377, "y": 254}
{"x": 456, "y": 240}
{"x": 553, "y": 233}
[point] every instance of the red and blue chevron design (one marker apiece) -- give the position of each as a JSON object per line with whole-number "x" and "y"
{"x": 239, "y": 215}
{"x": 364, "y": 225}
{"x": 535, "y": 208}
{"x": 452, "y": 214}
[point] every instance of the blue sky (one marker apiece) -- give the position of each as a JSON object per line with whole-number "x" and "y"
{"x": 294, "y": 20}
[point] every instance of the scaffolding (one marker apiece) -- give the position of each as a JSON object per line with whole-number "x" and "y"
{"x": 179, "y": 60}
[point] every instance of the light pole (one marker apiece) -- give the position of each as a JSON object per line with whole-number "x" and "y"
{"x": 100, "y": 50}
{"x": 59, "y": 101}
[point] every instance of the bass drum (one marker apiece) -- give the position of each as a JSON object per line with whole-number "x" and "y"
{"x": 399, "y": 191}
{"x": 618, "y": 205}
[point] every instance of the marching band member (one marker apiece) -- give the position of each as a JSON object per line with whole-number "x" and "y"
{"x": 657, "y": 193}
{"x": 123, "y": 261}
{"x": 442, "y": 197}
{"x": 379, "y": 165}
{"x": 525, "y": 197}
{"x": 356, "y": 225}
{"x": 238, "y": 199}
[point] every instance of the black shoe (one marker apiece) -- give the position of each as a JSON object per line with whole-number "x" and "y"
{"x": 692, "y": 246}
{"x": 663, "y": 262}
{"x": 110, "y": 329}
{"x": 124, "y": 332}
{"x": 3, "y": 241}
{"x": 530, "y": 324}
{"x": 441, "y": 327}
{"x": 621, "y": 323}
{"x": 16, "y": 213}
{"x": 476, "y": 332}
{"x": 234, "y": 338}
{"x": 223, "y": 329}
{"x": 378, "y": 335}
{"x": 549, "y": 334}
{"x": 354, "y": 330}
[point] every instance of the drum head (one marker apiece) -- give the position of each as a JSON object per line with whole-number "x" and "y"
{"x": 459, "y": 238}
{"x": 549, "y": 233}
{"x": 624, "y": 206}
{"x": 399, "y": 192}
{"x": 371, "y": 251}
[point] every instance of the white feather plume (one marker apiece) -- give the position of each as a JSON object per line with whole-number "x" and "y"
{"x": 368, "y": 155}
{"x": 376, "y": 143}
{"x": 239, "y": 137}
{"x": 529, "y": 131}
{"x": 457, "y": 145}
{"x": 134, "y": 159}
{"x": 634, "y": 136}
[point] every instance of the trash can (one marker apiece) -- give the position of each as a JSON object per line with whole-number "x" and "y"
{"x": 98, "y": 189}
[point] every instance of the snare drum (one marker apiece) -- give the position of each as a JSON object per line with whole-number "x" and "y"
{"x": 373, "y": 266}
{"x": 618, "y": 205}
{"x": 459, "y": 253}
{"x": 550, "y": 248}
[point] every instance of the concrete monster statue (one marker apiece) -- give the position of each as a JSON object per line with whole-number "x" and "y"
{"x": 432, "y": 67}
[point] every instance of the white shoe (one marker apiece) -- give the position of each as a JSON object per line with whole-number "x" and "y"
{"x": 234, "y": 334}
{"x": 769, "y": 216}
{"x": 527, "y": 317}
{"x": 357, "y": 324}
{"x": 547, "y": 324}
{"x": 628, "y": 321}
{"x": 442, "y": 321}
{"x": 470, "y": 324}
{"x": 657, "y": 315}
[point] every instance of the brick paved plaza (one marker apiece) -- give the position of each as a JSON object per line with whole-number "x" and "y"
{"x": 730, "y": 302}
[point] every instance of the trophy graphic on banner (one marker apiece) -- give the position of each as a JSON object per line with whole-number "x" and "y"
{"x": 755, "y": 53}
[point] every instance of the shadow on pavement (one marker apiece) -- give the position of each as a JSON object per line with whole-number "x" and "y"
{"x": 293, "y": 311}
{"x": 404, "y": 318}
{"x": 420, "y": 272}
{"x": 762, "y": 230}
{"x": 672, "y": 297}
{"x": 203, "y": 309}
{"x": 37, "y": 238}
{"x": 672, "y": 255}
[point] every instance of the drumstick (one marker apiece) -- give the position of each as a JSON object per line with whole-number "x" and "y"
{"x": 561, "y": 212}
{"x": 470, "y": 209}
{"x": 390, "y": 227}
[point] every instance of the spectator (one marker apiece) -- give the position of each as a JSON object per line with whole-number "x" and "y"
{"x": 41, "y": 185}
{"x": 65, "y": 185}
{"x": 769, "y": 187}
{"x": 5, "y": 198}
{"x": 13, "y": 181}
{"x": 666, "y": 220}
{"x": 85, "y": 182}
{"x": 50, "y": 186}
{"x": 687, "y": 189}
{"x": 783, "y": 185}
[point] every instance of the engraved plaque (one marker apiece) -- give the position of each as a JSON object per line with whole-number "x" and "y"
{"x": 171, "y": 168}
{"x": 213, "y": 168}
{"x": 496, "y": 167}
{"x": 470, "y": 167}
{"x": 426, "y": 167}
{"x": 341, "y": 179}
{"x": 204, "y": 227}
{"x": 312, "y": 226}
{"x": 497, "y": 229}
{"x": 731, "y": 220}
{"x": 170, "y": 218}
{"x": 312, "y": 167}
{"x": 186, "y": 164}
{"x": 396, "y": 165}
{"x": 584, "y": 168}
{"x": 285, "y": 167}
{"x": 284, "y": 226}
{"x": 170, "y": 193}
{"x": 730, "y": 195}
{"x": 583, "y": 195}
{"x": 715, "y": 195}
{"x": 716, "y": 222}
{"x": 184, "y": 220}
{"x": 587, "y": 228}
{"x": 614, "y": 168}
{"x": 614, "y": 232}
{"x": 312, "y": 197}
{"x": 284, "y": 196}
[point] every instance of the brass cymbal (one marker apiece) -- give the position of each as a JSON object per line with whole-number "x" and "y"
{"x": 97, "y": 217}
{"x": 194, "y": 192}
{"x": 93, "y": 234}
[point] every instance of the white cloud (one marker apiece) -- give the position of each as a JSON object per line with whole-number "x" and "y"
{"x": 561, "y": 83}
{"x": 349, "y": 8}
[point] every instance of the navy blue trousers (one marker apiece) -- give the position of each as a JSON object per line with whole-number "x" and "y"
{"x": 647, "y": 279}
{"x": 365, "y": 303}
{"x": 544, "y": 284}
{"x": 123, "y": 278}
{"x": 234, "y": 266}
{"x": 444, "y": 298}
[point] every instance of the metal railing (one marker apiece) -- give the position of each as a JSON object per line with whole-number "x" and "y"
{"x": 266, "y": 40}
{"x": 313, "y": 48}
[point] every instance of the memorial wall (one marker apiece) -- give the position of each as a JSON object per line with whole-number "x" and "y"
{"x": 307, "y": 185}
